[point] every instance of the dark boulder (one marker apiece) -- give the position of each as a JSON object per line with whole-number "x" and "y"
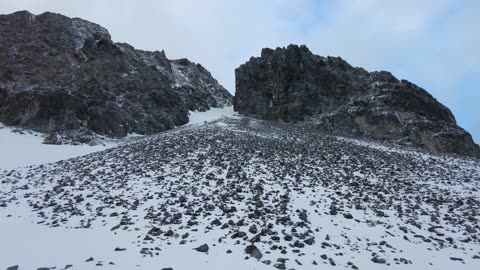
{"x": 203, "y": 248}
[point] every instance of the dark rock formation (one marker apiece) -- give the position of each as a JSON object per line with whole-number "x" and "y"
{"x": 292, "y": 84}
{"x": 63, "y": 75}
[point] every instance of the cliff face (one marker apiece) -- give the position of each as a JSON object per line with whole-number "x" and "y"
{"x": 65, "y": 76}
{"x": 292, "y": 84}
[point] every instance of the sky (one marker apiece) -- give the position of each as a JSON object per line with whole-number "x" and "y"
{"x": 432, "y": 43}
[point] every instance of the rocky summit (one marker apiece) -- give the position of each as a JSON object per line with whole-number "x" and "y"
{"x": 294, "y": 85}
{"x": 67, "y": 78}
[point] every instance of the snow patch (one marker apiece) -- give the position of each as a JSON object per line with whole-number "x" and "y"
{"x": 211, "y": 115}
{"x": 19, "y": 150}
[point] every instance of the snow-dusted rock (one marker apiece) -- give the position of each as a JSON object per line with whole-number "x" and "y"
{"x": 292, "y": 84}
{"x": 67, "y": 78}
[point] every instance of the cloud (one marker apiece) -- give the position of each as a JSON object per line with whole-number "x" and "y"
{"x": 433, "y": 43}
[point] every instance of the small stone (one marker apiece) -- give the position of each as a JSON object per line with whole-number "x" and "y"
{"x": 256, "y": 254}
{"x": 299, "y": 244}
{"x": 379, "y": 260}
{"x": 216, "y": 222}
{"x": 145, "y": 251}
{"x": 155, "y": 231}
{"x": 303, "y": 215}
{"x": 249, "y": 249}
{"x": 310, "y": 241}
{"x": 203, "y": 248}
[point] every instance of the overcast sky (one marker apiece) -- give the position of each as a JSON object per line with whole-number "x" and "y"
{"x": 433, "y": 43}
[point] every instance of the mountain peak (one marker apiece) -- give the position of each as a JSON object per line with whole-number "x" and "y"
{"x": 294, "y": 85}
{"x": 66, "y": 76}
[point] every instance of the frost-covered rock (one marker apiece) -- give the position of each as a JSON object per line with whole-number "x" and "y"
{"x": 292, "y": 84}
{"x": 65, "y": 76}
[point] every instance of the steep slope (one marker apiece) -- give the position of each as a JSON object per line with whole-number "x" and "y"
{"x": 63, "y": 75}
{"x": 246, "y": 194}
{"x": 292, "y": 84}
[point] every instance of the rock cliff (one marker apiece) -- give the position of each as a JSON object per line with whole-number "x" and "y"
{"x": 67, "y": 78}
{"x": 294, "y": 85}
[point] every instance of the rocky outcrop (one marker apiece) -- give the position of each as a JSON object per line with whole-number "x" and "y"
{"x": 292, "y": 84}
{"x": 196, "y": 86}
{"x": 65, "y": 76}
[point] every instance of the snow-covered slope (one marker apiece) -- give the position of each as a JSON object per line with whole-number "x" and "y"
{"x": 261, "y": 195}
{"x": 24, "y": 148}
{"x": 20, "y": 148}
